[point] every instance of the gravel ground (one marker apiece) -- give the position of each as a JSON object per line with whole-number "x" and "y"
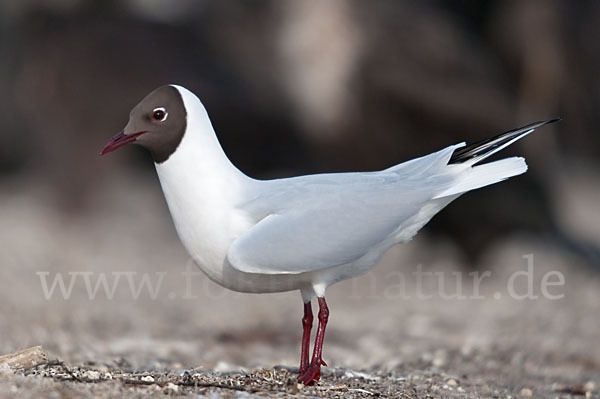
{"x": 219, "y": 343}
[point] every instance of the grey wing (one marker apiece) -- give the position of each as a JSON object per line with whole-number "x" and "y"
{"x": 332, "y": 220}
{"x": 314, "y": 239}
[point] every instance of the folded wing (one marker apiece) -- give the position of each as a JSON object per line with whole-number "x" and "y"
{"x": 331, "y": 220}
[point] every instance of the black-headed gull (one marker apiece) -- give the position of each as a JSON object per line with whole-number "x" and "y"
{"x": 302, "y": 233}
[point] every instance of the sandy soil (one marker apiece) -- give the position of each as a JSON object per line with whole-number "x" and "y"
{"x": 382, "y": 339}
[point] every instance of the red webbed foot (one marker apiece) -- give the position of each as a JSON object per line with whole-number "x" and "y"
{"x": 312, "y": 374}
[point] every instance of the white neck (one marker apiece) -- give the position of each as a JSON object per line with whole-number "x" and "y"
{"x": 201, "y": 187}
{"x": 200, "y": 149}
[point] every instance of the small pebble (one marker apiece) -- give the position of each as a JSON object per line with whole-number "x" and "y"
{"x": 93, "y": 375}
{"x": 452, "y": 382}
{"x": 172, "y": 387}
{"x": 526, "y": 392}
{"x": 148, "y": 378}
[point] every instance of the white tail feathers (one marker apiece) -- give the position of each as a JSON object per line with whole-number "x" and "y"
{"x": 483, "y": 175}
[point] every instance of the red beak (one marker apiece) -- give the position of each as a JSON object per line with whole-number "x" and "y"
{"x": 119, "y": 140}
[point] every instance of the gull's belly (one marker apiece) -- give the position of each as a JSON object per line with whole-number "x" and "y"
{"x": 207, "y": 237}
{"x": 208, "y": 248}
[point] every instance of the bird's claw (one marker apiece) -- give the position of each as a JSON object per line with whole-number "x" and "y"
{"x": 312, "y": 374}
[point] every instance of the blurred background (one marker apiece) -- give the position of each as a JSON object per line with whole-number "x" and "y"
{"x": 292, "y": 87}
{"x": 308, "y": 87}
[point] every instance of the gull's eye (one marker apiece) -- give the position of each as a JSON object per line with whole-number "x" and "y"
{"x": 159, "y": 114}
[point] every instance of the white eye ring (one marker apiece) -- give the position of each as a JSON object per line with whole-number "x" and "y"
{"x": 159, "y": 114}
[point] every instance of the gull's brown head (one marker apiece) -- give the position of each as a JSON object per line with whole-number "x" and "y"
{"x": 157, "y": 123}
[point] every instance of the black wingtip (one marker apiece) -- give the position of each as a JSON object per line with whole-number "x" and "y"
{"x": 484, "y": 148}
{"x": 536, "y": 125}
{"x": 553, "y": 120}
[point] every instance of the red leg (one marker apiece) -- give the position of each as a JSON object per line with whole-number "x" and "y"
{"x": 307, "y": 321}
{"x": 313, "y": 373}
